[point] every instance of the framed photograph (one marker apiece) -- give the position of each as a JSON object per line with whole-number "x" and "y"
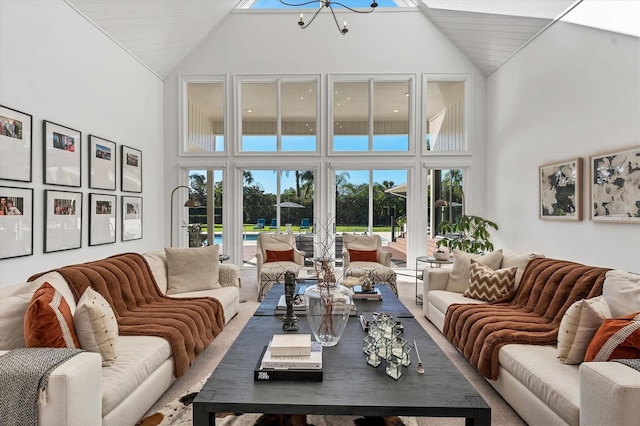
{"x": 131, "y": 175}
{"x": 16, "y": 222}
{"x": 102, "y": 217}
{"x": 15, "y": 145}
{"x": 62, "y": 165}
{"x": 62, "y": 220}
{"x": 560, "y": 189}
{"x": 131, "y": 218}
{"x": 614, "y": 186}
{"x": 102, "y": 163}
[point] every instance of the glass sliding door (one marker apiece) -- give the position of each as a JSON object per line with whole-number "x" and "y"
{"x": 205, "y": 223}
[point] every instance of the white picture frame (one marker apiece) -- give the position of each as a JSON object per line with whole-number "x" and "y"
{"x": 62, "y": 146}
{"x": 102, "y": 163}
{"x": 102, "y": 219}
{"x": 16, "y": 153}
{"x": 62, "y": 220}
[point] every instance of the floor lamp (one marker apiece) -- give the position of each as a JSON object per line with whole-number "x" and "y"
{"x": 191, "y": 202}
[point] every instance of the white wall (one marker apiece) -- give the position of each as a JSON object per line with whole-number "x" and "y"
{"x": 573, "y": 92}
{"x": 57, "y": 66}
{"x": 400, "y": 42}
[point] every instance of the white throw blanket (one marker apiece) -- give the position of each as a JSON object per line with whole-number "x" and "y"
{"x": 24, "y": 376}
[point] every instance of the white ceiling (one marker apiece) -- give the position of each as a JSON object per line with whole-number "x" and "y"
{"x": 160, "y": 33}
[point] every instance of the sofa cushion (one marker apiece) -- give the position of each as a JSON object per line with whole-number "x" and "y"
{"x": 48, "y": 321}
{"x": 192, "y": 269}
{"x": 616, "y": 338}
{"x": 13, "y": 306}
{"x": 442, "y": 299}
{"x": 96, "y": 326}
{"x": 138, "y": 357}
{"x": 538, "y": 369}
{"x": 157, "y": 261}
{"x": 489, "y": 285}
{"x": 461, "y": 270}
{"x": 519, "y": 260}
{"x": 363, "y": 255}
{"x": 621, "y": 289}
{"x": 577, "y": 327}
{"x": 279, "y": 255}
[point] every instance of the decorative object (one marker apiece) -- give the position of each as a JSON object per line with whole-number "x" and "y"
{"x": 290, "y": 319}
{"x": 560, "y": 190}
{"x": 470, "y": 234}
{"x": 62, "y": 220}
{"x": 131, "y": 173}
{"x": 62, "y": 146}
{"x": 614, "y": 186}
{"x": 16, "y": 130}
{"x": 420, "y": 368}
{"x": 131, "y": 218}
{"x": 16, "y": 222}
{"x": 102, "y": 163}
{"x": 329, "y": 5}
{"x": 384, "y": 341}
{"x": 440, "y": 254}
{"x": 102, "y": 216}
{"x": 191, "y": 202}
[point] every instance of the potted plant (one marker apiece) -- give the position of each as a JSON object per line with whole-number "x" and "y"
{"x": 469, "y": 234}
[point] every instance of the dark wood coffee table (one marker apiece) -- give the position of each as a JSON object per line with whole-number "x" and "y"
{"x": 350, "y": 385}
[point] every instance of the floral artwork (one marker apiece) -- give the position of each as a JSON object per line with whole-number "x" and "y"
{"x": 615, "y": 186}
{"x": 560, "y": 188}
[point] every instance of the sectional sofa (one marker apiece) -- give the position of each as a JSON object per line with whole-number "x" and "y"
{"x": 531, "y": 341}
{"x": 86, "y": 390}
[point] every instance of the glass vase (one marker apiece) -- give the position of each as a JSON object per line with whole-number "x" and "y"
{"x": 328, "y": 306}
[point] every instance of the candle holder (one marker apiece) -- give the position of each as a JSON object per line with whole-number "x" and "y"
{"x": 289, "y": 319}
{"x": 384, "y": 342}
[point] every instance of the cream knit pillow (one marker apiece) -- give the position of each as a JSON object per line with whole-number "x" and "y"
{"x": 96, "y": 326}
{"x": 461, "y": 270}
{"x": 192, "y": 269}
{"x": 578, "y": 326}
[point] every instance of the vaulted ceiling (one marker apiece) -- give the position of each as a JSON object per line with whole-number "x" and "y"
{"x": 160, "y": 33}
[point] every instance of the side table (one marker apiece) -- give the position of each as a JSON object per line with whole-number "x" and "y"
{"x": 419, "y": 274}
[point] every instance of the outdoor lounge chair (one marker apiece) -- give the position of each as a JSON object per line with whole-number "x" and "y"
{"x": 260, "y": 224}
{"x": 274, "y": 224}
{"x": 304, "y": 224}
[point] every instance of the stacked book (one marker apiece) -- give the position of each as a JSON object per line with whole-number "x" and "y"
{"x": 373, "y": 294}
{"x": 290, "y": 357}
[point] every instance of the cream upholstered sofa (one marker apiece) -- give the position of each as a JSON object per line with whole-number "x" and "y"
{"x": 276, "y": 254}
{"x": 363, "y": 254}
{"x": 83, "y": 392}
{"x": 531, "y": 378}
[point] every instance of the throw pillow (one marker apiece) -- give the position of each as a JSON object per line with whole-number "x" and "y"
{"x": 519, "y": 260}
{"x": 578, "y": 326}
{"x": 96, "y": 326}
{"x": 489, "y": 285}
{"x": 363, "y": 255}
{"x": 617, "y": 338}
{"x": 279, "y": 255}
{"x": 360, "y": 242}
{"x": 48, "y": 321}
{"x": 12, "y": 310}
{"x": 621, "y": 289}
{"x": 461, "y": 270}
{"x": 192, "y": 269}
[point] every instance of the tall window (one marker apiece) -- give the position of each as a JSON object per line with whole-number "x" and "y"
{"x": 205, "y": 118}
{"x": 371, "y": 115}
{"x": 447, "y": 197}
{"x": 445, "y": 119}
{"x": 279, "y": 116}
{"x": 205, "y": 225}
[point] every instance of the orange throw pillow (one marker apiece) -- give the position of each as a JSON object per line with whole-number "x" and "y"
{"x": 48, "y": 322}
{"x": 280, "y": 255}
{"x": 363, "y": 255}
{"x": 617, "y": 338}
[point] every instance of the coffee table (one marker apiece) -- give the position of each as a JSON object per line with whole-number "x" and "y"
{"x": 350, "y": 385}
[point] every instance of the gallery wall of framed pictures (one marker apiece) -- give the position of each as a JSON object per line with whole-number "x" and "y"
{"x": 64, "y": 219}
{"x": 613, "y": 182}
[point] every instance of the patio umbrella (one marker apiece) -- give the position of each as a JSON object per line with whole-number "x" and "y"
{"x": 290, "y": 205}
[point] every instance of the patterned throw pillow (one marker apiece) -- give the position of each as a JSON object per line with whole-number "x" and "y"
{"x": 461, "y": 269}
{"x": 617, "y": 338}
{"x": 96, "y": 326}
{"x": 279, "y": 255}
{"x": 489, "y": 285}
{"x": 363, "y": 255}
{"x": 48, "y": 322}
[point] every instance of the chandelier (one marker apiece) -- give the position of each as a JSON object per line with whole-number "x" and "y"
{"x": 328, "y": 4}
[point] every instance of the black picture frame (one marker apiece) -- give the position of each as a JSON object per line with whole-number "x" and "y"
{"x": 62, "y": 147}
{"x": 102, "y": 163}
{"x": 16, "y": 145}
{"x": 102, "y": 219}
{"x": 62, "y": 220}
{"x": 16, "y": 222}
{"x": 131, "y": 169}
{"x": 131, "y": 218}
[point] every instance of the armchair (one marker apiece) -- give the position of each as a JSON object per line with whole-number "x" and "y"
{"x": 275, "y": 255}
{"x": 363, "y": 254}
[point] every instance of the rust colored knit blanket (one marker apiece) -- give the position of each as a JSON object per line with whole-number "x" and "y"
{"x": 531, "y": 316}
{"x": 127, "y": 283}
